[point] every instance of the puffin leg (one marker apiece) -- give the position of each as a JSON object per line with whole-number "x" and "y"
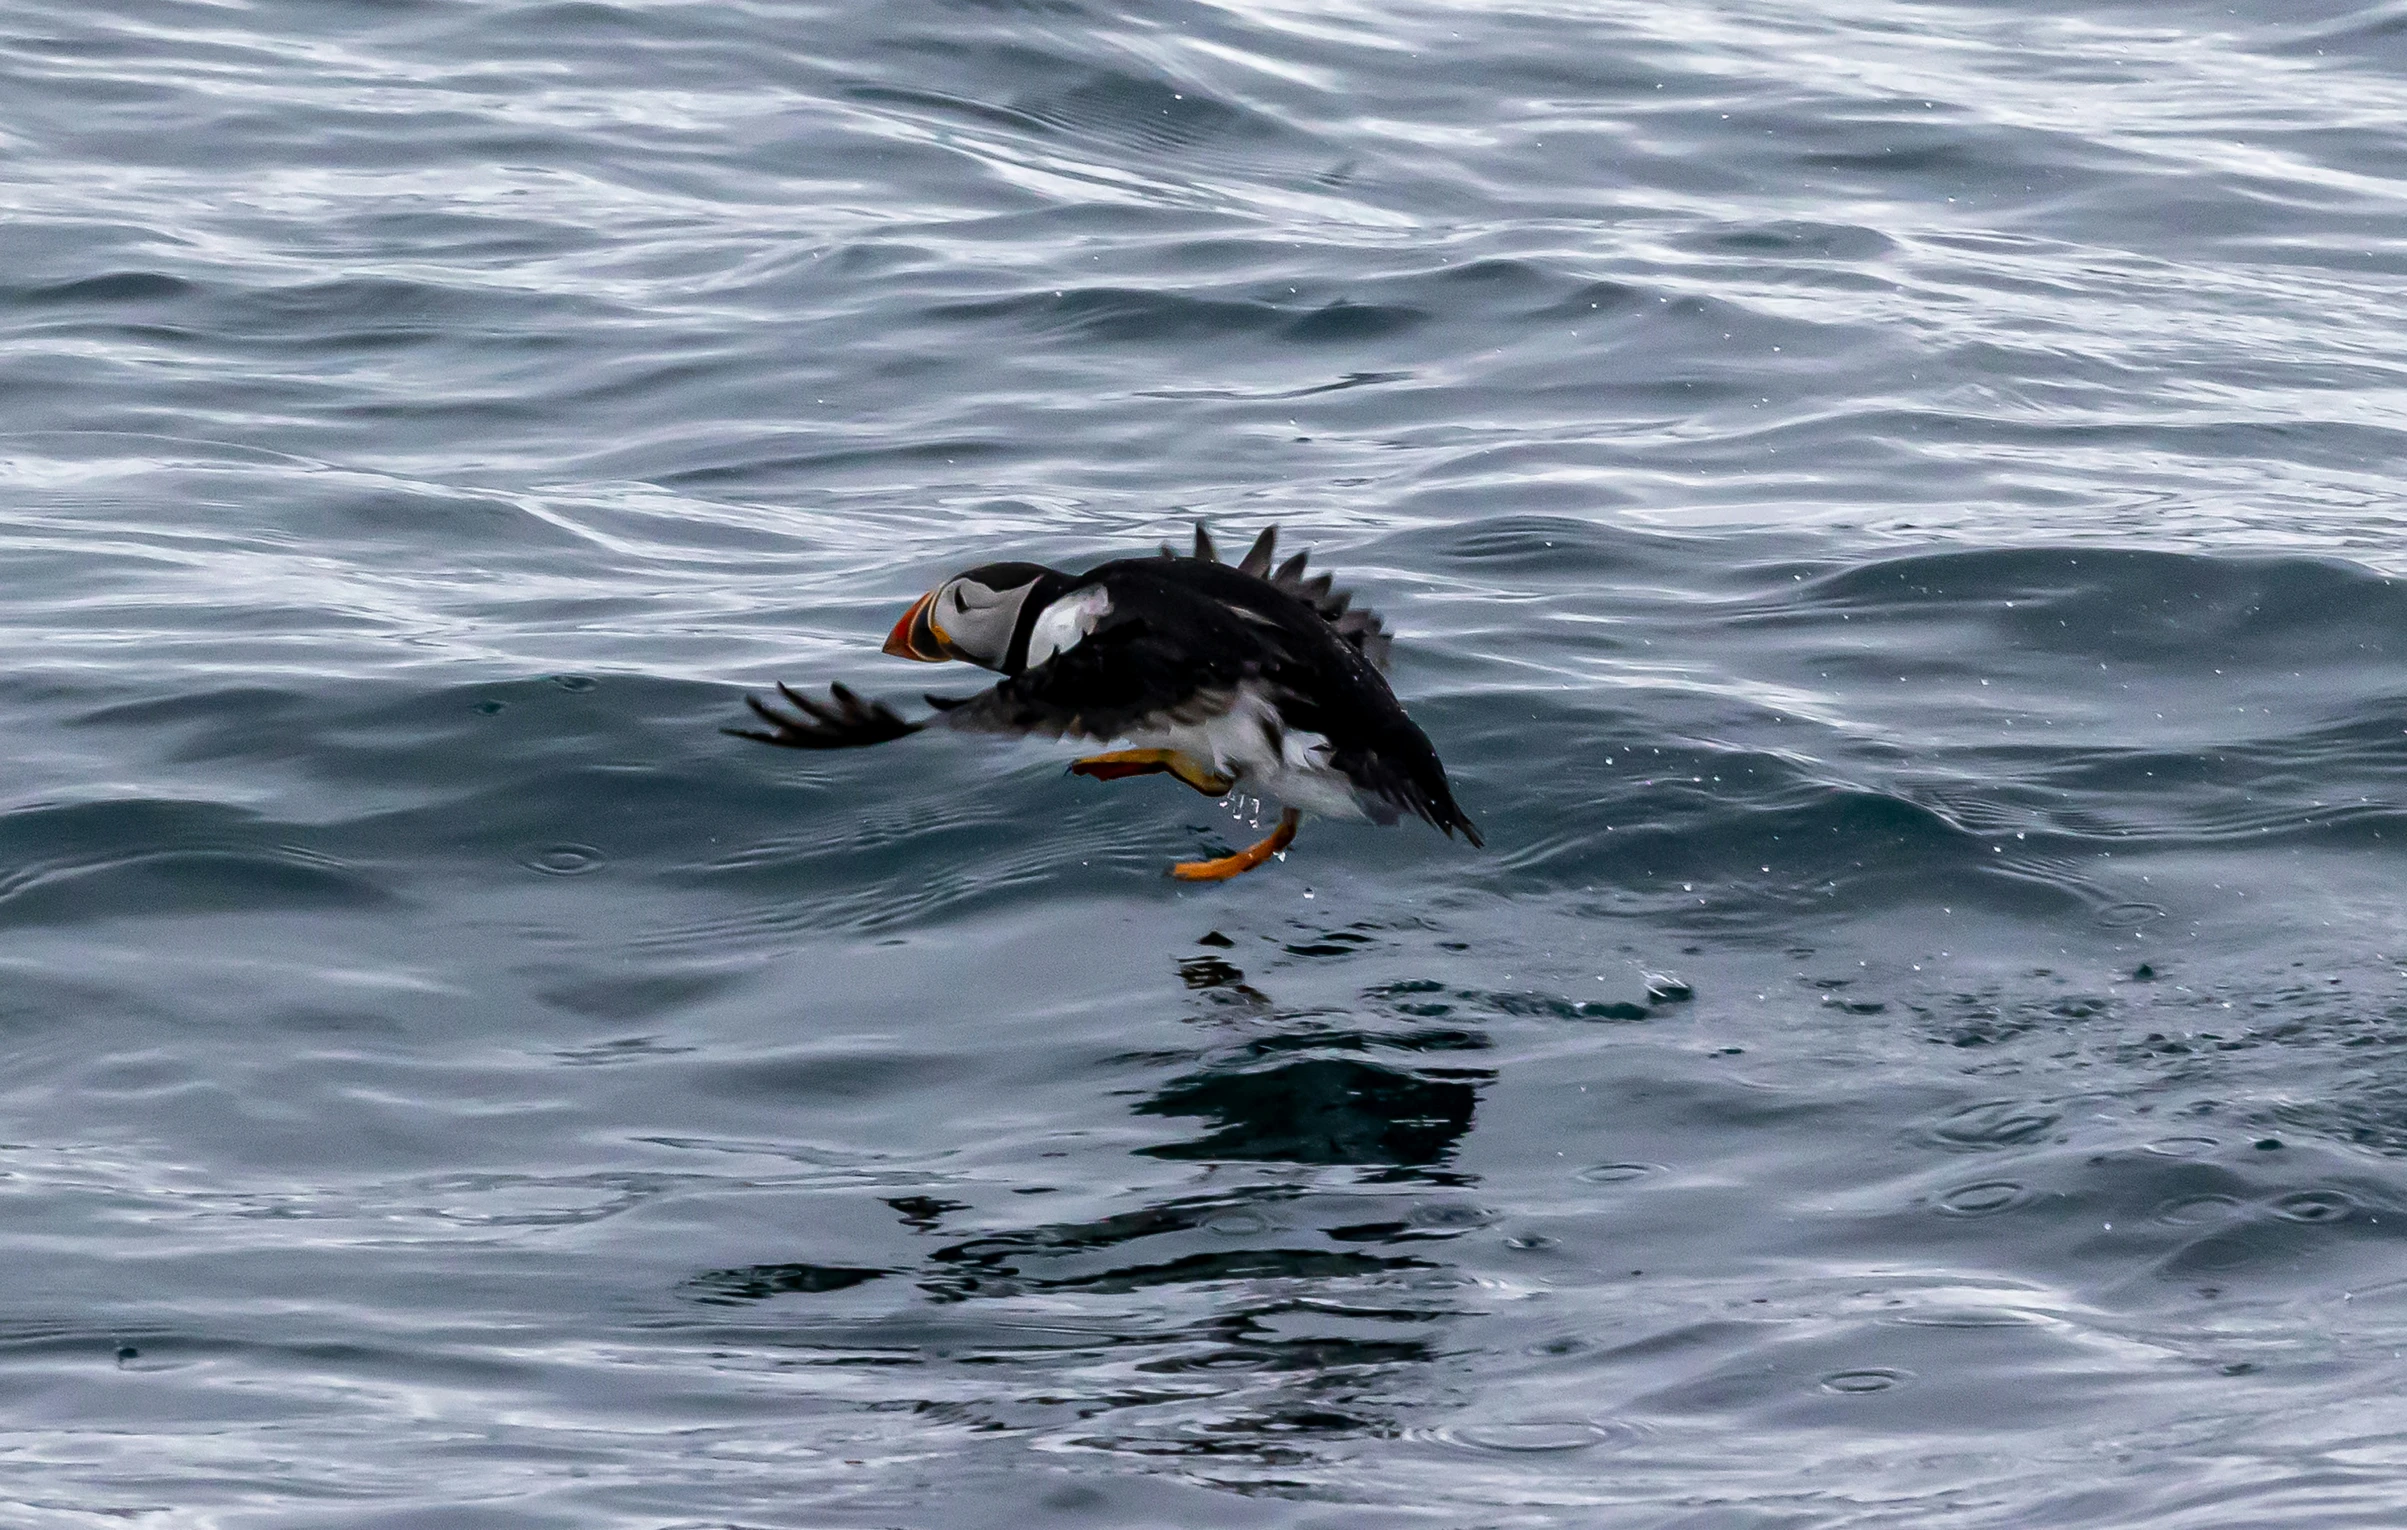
{"x": 1244, "y": 860}
{"x": 1196, "y": 774}
{"x": 1121, "y": 763}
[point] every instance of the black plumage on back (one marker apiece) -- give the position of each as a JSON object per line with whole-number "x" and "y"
{"x": 1184, "y": 633}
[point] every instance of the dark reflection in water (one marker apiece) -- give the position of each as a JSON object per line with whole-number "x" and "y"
{"x": 754, "y": 1282}
{"x": 1012, "y": 1263}
{"x": 1276, "y": 1278}
{"x": 1328, "y": 1110}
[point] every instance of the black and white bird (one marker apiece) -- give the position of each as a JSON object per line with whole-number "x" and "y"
{"x": 1227, "y": 676}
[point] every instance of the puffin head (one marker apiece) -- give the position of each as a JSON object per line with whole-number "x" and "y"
{"x": 981, "y": 617}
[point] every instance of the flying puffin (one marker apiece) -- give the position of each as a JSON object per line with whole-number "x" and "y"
{"x": 1221, "y": 675}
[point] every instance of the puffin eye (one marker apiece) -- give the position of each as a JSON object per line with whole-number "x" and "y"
{"x": 975, "y": 597}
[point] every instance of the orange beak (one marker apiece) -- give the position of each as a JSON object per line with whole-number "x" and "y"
{"x": 917, "y": 636}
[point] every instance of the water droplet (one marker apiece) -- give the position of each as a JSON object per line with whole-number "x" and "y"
{"x": 1858, "y": 1383}
{"x": 1530, "y": 1436}
{"x": 563, "y": 860}
{"x": 2183, "y": 1147}
{"x": 1617, "y": 1173}
{"x": 1663, "y": 988}
{"x": 1987, "y": 1198}
{"x": 2197, "y": 1210}
{"x": 2130, "y": 914}
{"x": 1995, "y": 1124}
{"x": 2314, "y": 1206}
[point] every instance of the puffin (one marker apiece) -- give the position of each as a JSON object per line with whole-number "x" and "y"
{"x": 1224, "y": 676}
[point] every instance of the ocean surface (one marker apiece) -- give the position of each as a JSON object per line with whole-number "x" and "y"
{"x": 1892, "y": 514}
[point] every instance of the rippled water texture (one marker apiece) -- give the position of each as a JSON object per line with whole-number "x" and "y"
{"x": 1890, "y": 512}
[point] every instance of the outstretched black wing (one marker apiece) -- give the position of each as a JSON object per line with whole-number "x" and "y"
{"x": 845, "y": 721}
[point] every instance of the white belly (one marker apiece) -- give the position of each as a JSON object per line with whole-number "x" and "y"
{"x": 1238, "y": 744}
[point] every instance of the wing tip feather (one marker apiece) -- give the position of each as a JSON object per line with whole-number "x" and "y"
{"x": 1359, "y": 626}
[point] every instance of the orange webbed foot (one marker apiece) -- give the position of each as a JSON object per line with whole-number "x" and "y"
{"x": 1245, "y": 860}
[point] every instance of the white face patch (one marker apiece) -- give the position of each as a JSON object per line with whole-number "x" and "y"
{"x": 1061, "y": 625}
{"x": 977, "y": 622}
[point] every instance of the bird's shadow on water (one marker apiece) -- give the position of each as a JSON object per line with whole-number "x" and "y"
{"x": 1303, "y": 1257}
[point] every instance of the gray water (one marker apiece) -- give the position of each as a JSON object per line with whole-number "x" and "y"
{"x": 1890, "y": 514}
